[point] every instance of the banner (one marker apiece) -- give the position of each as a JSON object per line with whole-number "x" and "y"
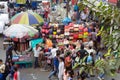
{"x": 113, "y": 1}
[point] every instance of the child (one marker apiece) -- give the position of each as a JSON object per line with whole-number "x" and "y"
{"x": 70, "y": 74}
{"x": 16, "y": 74}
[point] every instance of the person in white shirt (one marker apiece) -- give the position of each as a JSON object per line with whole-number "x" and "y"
{"x": 91, "y": 50}
{"x": 2, "y": 70}
{"x": 61, "y": 69}
{"x": 53, "y": 51}
{"x": 36, "y": 55}
{"x": 2, "y": 66}
{"x": 84, "y": 14}
{"x": 91, "y": 43}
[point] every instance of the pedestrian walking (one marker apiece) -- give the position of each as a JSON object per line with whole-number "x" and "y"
{"x": 16, "y": 74}
{"x": 61, "y": 68}
{"x": 55, "y": 65}
{"x": 12, "y": 71}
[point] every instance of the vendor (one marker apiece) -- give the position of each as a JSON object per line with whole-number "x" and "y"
{"x": 36, "y": 50}
{"x": 9, "y": 53}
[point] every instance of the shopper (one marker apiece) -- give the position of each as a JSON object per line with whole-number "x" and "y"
{"x": 82, "y": 52}
{"x": 53, "y": 51}
{"x": 70, "y": 75}
{"x": 55, "y": 65}
{"x": 16, "y": 74}
{"x": 61, "y": 68}
{"x": 2, "y": 70}
{"x": 68, "y": 61}
{"x": 12, "y": 71}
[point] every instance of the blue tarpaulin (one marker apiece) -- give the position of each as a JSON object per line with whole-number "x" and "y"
{"x": 66, "y": 20}
{"x": 34, "y": 5}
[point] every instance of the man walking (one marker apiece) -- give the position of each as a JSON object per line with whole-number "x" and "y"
{"x": 55, "y": 65}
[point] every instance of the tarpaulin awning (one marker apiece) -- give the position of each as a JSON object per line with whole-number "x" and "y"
{"x": 35, "y": 41}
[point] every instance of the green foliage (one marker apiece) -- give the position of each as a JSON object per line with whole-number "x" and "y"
{"x": 108, "y": 16}
{"x": 109, "y": 65}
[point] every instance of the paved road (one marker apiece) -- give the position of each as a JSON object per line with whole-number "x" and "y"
{"x": 36, "y": 74}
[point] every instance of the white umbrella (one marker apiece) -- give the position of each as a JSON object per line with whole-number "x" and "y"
{"x": 20, "y": 31}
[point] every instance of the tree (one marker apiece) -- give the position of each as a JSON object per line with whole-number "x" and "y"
{"x": 109, "y": 19}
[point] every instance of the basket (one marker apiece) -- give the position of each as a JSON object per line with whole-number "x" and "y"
{"x": 67, "y": 33}
{"x": 54, "y": 33}
{"x": 85, "y": 29}
{"x": 71, "y": 37}
{"x": 76, "y": 29}
{"x": 80, "y": 35}
{"x": 84, "y": 36}
{"x": 86, "y": 33}
{"x": 76, "y": 36}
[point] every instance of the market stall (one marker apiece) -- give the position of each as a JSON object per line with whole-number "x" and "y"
{"x": 19, "y": 34}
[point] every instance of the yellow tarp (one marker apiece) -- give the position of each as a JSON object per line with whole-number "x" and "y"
{"x": 20, "y": 1}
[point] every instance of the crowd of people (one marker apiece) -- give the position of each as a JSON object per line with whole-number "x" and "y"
{"x": 60, "y": 58}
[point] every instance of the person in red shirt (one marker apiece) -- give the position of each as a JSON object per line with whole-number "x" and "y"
{"x": 68, "y": 61}
{"x": 16, "y": 74}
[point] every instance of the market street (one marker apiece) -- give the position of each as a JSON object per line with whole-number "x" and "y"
{"x": 31, "y": 73}
{"x": 59, "y": 40}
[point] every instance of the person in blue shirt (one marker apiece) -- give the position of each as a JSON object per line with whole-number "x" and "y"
{"x": 12, "y": 71}
{"x": 55, "y": 64}
{"x": 90, "y": 59}
{"x": 76, "y": 8}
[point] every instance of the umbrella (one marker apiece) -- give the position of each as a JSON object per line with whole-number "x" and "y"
{"x": 20, "y": 31}
{"x": 66, "y": 20}
{"x": 29, "y": 18}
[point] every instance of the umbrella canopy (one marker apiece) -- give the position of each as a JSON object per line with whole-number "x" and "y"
{"x": 20, "y": 31}
{"x": 66, "y": 20}
{"x": 29, "y": 18}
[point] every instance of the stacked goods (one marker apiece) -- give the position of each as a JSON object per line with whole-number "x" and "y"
{"x": 85, "y": 35}
{"x": 53, "y": 31}
{"x": 45, "y": 29}
{"x": 73, "y": 32}
{"x": 76, "y": 32}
